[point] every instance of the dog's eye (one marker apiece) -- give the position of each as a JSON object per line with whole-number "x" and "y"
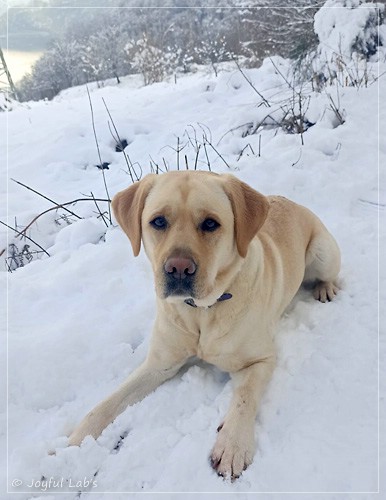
{"x": 209, "y": 225}
{"x": 159, "y": 223}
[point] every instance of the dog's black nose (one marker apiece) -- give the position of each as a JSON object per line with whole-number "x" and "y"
{"x": 180, "y": 267}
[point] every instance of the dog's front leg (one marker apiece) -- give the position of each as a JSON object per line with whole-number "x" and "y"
{"x": 235, "y": 445}
{"x": 141, "y": 382}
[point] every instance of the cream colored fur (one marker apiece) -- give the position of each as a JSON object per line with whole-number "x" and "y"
{"x": 261, "y": 252}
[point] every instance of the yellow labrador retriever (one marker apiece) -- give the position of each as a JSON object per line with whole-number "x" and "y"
{"x": 227, "y": 261}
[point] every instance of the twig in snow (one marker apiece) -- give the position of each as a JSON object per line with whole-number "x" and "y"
{"x": 165, "y": 164}
{"x": 99, "y": 153}
{"x": 248, "y": 125}
{"x": 99, "y": 210}
{"x": 56, "y": 207}
{"x": 17, "y": 257}
{"x": 281, "y": 74}
{"x": 251, "y": 84}
{"x": 218, "y": 154}
{"x": 178, "y": 153}
{"x": 119, "y": 142}
{"x": 207, "y": 157}
{"x": 335, "y": 108}
{"x": 297, "y": 161}
{"x": 158, "y": 169}
{"x": 197, "y": 153}
{"x": 205, "y": 131}
{"x": 45, "y": 197}
{"x": 244, "y": 148}
{"x": 25, "y": 236}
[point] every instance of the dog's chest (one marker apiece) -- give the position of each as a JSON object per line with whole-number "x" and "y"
{"x": 219, "y": 344}
{"x": 226, "y": 336}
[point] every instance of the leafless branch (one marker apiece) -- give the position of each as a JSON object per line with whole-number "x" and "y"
{"x": 56, "y": 207}
{"x": 45, "y": 197}
{"x": 99, "y": 153}
{"x": 251, "y": 84}
{"x": 99, "y": 210}
{"x": 25, "y": 236}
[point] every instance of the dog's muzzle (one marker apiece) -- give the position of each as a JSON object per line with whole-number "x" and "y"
{"x": 179, "y": 276}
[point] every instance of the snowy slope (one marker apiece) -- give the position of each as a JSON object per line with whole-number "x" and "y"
{"x": 80, "y": 320}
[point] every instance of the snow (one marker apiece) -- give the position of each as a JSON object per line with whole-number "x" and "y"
{"x": 346, "y": 26}
{"x": 79, "y": 321}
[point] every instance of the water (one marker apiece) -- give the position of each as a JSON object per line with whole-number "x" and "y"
{"x": 20, "y": 62}
{"x": 24, "y": 49}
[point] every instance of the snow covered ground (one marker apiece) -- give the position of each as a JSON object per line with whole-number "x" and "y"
{"x": 79, "y": 321}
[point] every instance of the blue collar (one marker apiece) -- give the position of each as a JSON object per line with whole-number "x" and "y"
{"x": 224, "y": 296}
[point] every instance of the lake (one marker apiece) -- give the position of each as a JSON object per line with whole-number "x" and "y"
{"x": 24, "y": 49}
{"x": 20, "y": 62}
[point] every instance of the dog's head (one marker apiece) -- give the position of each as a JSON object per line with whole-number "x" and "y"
{"x": 196, "y": 228}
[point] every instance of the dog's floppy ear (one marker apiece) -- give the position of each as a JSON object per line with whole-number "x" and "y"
{"x": 128, "y": 207}
{"x": 250, "y": 210}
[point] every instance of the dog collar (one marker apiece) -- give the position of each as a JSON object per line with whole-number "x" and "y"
{"x": 224, "y": 296}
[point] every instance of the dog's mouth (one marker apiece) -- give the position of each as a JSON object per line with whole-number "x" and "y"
{"x": 179, "y": 288}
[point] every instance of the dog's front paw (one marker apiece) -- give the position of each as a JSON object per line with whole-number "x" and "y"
{"x": 233, "y": 451}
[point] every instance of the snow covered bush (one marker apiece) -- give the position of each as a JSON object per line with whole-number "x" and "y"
{"x": 349, "y": 33}
{"x": 103, "y": 57}
{"x": 152, "y": 62}
{"x": 277, "y": 27}
{"x": 349, "y": 26}
{"x": 60, "y": 67}
{"x": 213, "y": 50}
